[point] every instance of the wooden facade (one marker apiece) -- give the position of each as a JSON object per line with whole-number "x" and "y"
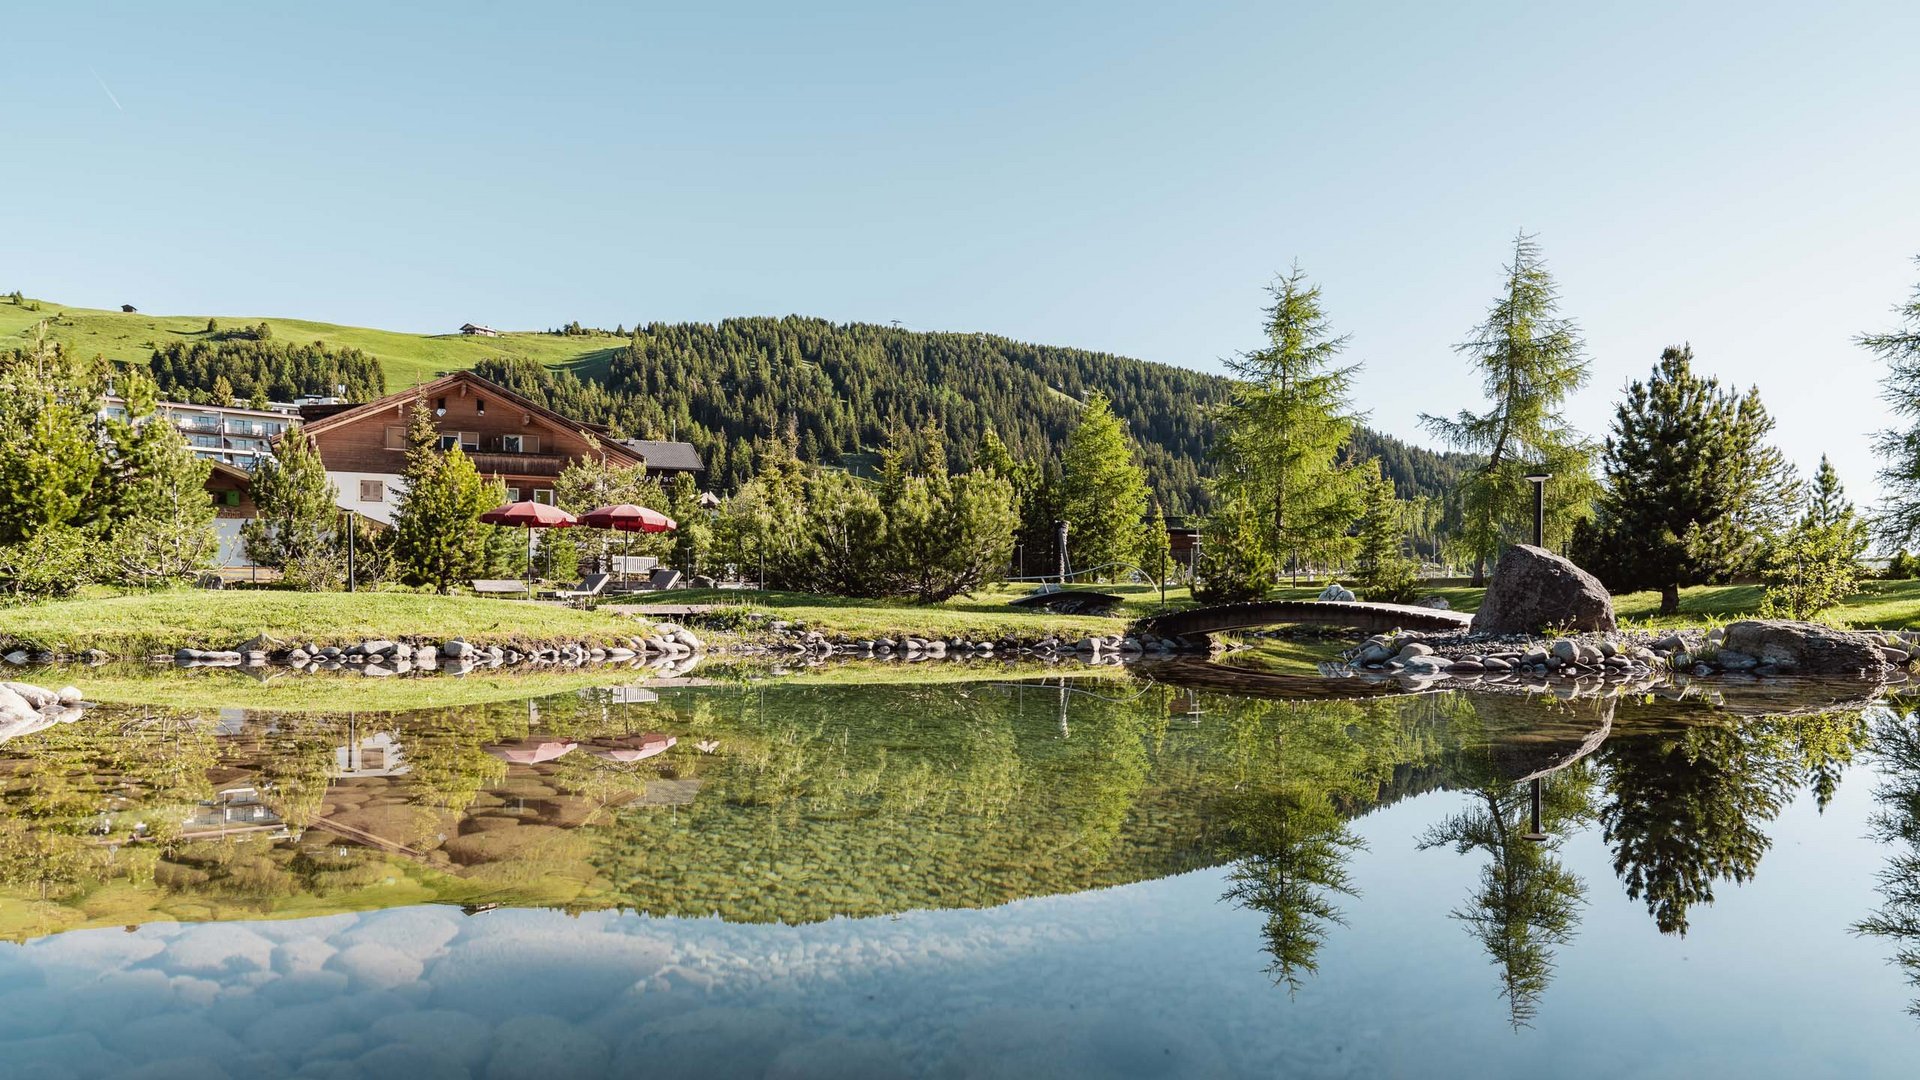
{"x": 519, "y": 442}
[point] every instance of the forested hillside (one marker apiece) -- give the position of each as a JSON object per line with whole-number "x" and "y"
{"x": 839, "y": 388}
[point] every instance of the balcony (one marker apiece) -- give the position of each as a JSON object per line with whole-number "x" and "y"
{"x": 490, "y": 462}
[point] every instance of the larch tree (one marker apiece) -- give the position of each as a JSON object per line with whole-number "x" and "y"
{"x": 1897, "y": 521}
{"x": 1530, "y": 360}
{"x": 1103, "y": 491}
{"x": 1679, "y": 465}
{"x": 438, "y": 537}
{"x": 1281, "y": 435}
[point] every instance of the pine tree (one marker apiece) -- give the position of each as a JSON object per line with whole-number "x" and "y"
{"x": 1382, "y": 571}
{"x": 1103, "y": 492}
{"x": 297, "y": 515}
{"x": 1679, "y": 467}
{"x": 438, "y": 538}
{"x": 1898, "y": 522}
{"x": 1282, "y": 433}
{"x": 1530, "y": 361}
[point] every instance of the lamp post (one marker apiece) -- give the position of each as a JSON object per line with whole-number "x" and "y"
{"x": 1538, "y": 834}
{"x": 1538, "y": 478}
{"x": 350, "y": 538}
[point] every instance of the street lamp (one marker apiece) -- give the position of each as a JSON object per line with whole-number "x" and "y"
{"x": 1538, "y": 478}
{"x": 1539, "y": 834}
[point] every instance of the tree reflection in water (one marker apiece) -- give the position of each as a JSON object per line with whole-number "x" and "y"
{"x": 1526, "y": 902}
{"x": 1686, "y": 807}
{"x": 1896, "y": 743}
{"x": 1293, "y": 850}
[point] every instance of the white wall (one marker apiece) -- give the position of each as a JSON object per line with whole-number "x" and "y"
{"x": 346, "y": 486}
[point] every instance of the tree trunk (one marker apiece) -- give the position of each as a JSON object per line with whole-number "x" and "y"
{"x": 1479, "y": 579}
{"x": 1669, "y": 599}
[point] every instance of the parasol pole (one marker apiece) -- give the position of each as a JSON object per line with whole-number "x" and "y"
{"x": 529, "y": 564}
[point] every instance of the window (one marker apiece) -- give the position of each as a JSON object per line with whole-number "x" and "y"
{"x": 396, "y": 436}
{"x": 543, "y": 495}
{"x": 513, "y": 494}
{"x": 448, "y": 442}
{"x": 510, "y": 444}
{"x": 470, "y": 441}
{"x": 373, "y": 491}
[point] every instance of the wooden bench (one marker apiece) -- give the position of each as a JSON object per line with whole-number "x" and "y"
{"x": 498, "y": 587}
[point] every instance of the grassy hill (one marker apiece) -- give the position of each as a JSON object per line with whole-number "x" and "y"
{"x": 406, "y": 358}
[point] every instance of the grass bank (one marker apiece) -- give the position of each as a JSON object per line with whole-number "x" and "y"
{"x": 160, "y": 622}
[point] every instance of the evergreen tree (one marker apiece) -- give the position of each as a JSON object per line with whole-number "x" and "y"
{"x": 1156, "y": 551}
{"x": 1530, "y": 361}
{"x": 297, "y": 515}
{"x": 1103, "y": 492}
{"x": 1282, "y": 433}
{"x": 1816, "y": 564}
{"x": 52, "y": 461}
{"x": 1235, "y": 564}
{"x": 1898, "y": 521}
{"x": 1680, "y": 465}
{"x": 1382, "y": 572}
{"x": 161, "y": 518}
{"x": 438, "y": 538}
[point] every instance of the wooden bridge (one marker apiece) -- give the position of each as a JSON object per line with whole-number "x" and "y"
{"x": 1359, "y": 615}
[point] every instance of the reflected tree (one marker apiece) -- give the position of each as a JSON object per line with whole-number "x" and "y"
{"x": 1896, "y": 742}
{"x": 1526, "y": 902}
{"x": 1290, "y": 849}
{"x": 1685, "y": 809}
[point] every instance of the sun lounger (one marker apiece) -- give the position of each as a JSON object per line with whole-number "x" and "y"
{"x": 663, "y": 578}
{"x": 589, "y": 586}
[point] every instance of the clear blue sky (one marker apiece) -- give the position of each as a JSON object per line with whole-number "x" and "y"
{"x": 1744, "y": 176}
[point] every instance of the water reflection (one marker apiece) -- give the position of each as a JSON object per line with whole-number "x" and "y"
{"x": 794, "y": 804}
{"x": 1896, "y": 823}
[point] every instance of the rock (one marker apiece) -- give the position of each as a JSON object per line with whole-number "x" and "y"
{"x": 1732, "y": 660}
{"x": 17, "y": 657}
{"x": 1566, "y": 650}
{"x": 1337, "y": 593}
{"x": 1436, "y": 602}
{"x": 257, "y": 643}
{"x": 1413, "y": 649}
{"x": 375, "y": 647}
{"x": 1534, "y": 590}
{"x": 1804, "y": 648}
{"x": 36, "y": 697}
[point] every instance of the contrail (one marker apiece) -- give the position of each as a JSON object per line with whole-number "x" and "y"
{"x": 103, "y": 86}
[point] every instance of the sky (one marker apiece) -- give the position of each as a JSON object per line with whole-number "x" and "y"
{"x": 1119, "y": 176}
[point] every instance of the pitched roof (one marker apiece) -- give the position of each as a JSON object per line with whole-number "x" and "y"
{"x": 664, "y": 454}
{"x": 616, "y": 451}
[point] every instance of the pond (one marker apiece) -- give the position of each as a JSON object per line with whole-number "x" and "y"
{"x": 1092, "y": 876}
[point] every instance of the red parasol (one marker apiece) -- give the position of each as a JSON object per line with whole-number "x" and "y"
{"x": 628, "y": 518}
{"x": 529, "y": 516}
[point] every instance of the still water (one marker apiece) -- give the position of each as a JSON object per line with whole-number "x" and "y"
{"x": 1003, "y": 877}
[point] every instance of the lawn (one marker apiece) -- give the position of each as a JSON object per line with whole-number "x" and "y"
{"x": 986, "y": 615}
{"x": 406, "y": 358}
{"x": 143, "y": 624}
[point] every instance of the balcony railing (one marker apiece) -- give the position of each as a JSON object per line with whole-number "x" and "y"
{"x": 488, "y": 462}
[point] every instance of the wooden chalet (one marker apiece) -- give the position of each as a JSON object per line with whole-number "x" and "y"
{"x": 508, "y": 437}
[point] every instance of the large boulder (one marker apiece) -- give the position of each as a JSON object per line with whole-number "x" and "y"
{"x": 1804, "y": 648}
{"x": 1533, "y": 590}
